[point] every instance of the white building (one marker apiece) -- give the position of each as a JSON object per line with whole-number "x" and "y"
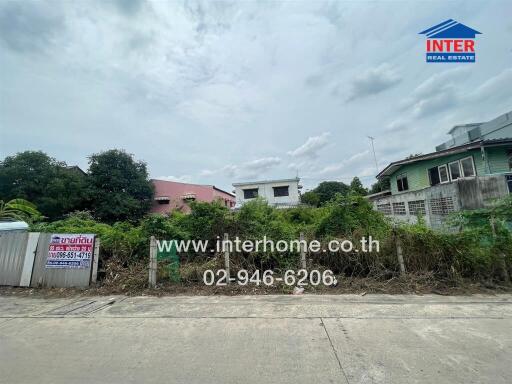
{"x": 278, "y": 193}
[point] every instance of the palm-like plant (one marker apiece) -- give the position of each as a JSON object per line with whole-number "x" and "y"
{"x": 18, "y": 209}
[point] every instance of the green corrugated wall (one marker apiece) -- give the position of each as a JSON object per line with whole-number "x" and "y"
{"x": 498, "y": 159}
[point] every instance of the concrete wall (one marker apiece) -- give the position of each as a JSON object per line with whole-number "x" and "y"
{"x": 443, "y": 199}
{"x": 266, "y": 191}
{"x": 481, "y": 191}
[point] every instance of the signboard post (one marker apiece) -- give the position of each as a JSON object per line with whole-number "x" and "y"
{"x": 70, "y": 251}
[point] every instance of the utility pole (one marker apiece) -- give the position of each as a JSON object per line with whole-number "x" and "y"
{"x": 374, "y": 156}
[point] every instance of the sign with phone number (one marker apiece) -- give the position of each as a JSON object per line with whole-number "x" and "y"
{"x": 70, "y": 251}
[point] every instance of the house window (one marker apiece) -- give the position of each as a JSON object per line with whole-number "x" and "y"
{"x": 161, "y": 200}
{"x": 433, "y": 175}
{"x": 399, "y": 209}
{"x": 281, "y": 191}
{"x": 385, "y": 208}
{"x": 401, "y": 182}
{"x": 417, "y": 207}
{"x": 442, "y": 205}
{"x": 250, "y": 193}
{"x": 443, "y": 174}
{"x": 509, "y": 155}
{"x": 468, "y": 167}
{"x": 454, "y": 168}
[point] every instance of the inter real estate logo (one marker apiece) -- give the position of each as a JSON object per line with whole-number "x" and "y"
{"x": 450, "y": 42}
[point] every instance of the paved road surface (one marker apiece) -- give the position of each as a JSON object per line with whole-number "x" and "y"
{"x": 257, "y": 339}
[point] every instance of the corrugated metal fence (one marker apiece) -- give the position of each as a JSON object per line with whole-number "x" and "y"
{"x": 23, "y": 258}
{"x": 13, "y": 245}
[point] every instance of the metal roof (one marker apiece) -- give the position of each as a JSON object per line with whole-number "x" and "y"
{"x": 13, "y": 226}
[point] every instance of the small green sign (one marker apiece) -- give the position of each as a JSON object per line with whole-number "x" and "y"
{"x": 173, "y": 267}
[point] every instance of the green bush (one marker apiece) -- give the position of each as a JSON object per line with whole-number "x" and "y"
{"x": 478, "y": 250}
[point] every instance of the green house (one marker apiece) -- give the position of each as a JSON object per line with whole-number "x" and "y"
{"x": 465, "y": 161}
{"x": 466, "y": 172}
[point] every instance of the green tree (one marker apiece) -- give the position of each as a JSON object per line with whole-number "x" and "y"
{"x": 18, "y": 209}
{"x": 119, "y": 188}
{"x": 310, "y": 198}
{"x": 49, "y": 184}
{"x": 357, "y": 187}
{"x": 206, "y": 220}
{"x": 327, "y": 190}
{"x": 380, "y": 186}
{"x": 346, "y": 214}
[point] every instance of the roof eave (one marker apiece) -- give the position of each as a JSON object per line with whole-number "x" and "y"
{"x": 296, "y": 179}
{"x": 391, "y": 168}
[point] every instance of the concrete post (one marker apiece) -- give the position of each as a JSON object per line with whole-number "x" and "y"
{"x": 226, "y": 256}
{"x": 302, "y": 252}
{"x": 399, "y": 253}
{"x": 152, "y": 262}
{"x": 95, "y": 260}
{"x": 28, "y": 262}
{"x": 400, "y": 257}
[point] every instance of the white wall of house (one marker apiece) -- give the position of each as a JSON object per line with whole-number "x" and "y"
{"x": 268, "y": 190}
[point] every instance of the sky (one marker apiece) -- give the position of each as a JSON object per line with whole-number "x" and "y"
{"x": 221, "y": 92}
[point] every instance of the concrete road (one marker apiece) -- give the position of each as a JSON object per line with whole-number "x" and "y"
{"x": 257, "y": 339}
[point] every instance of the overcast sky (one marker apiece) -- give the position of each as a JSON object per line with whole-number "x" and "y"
{"x": 223, "y": 92}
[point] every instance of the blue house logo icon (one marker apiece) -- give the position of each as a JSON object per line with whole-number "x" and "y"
{"x": 450, "y": 42}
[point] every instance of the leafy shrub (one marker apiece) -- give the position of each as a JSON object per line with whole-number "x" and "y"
{"x": 478, "y": 250}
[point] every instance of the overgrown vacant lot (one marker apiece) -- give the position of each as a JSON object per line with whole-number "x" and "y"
{"x": 477, "y": 255}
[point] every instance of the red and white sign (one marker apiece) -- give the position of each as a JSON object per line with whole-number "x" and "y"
{"x": 70, "y": 251}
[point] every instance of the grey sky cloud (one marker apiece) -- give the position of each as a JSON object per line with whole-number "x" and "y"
{"x": 127, "y": 7}
{"x": 496, "y": 88}
{"x": 179, "y": 179}
{"x": 350, "y": 161}
{"x": 444, "y": 99}
{"x": 250, "y": 169}
{"x": 398, "y": 125}
{"x": 201, "y": 89}
{"x": 374, "y": 81}
{"x": 438, "y": 93}
{"x": 28, "y": 27}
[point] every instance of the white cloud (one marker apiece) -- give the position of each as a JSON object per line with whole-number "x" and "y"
{"x": 397, "y": 125}
{"x": 262, "y": 165}
{"x": 311, "y": 147}
{"x": 351, "y": 161}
